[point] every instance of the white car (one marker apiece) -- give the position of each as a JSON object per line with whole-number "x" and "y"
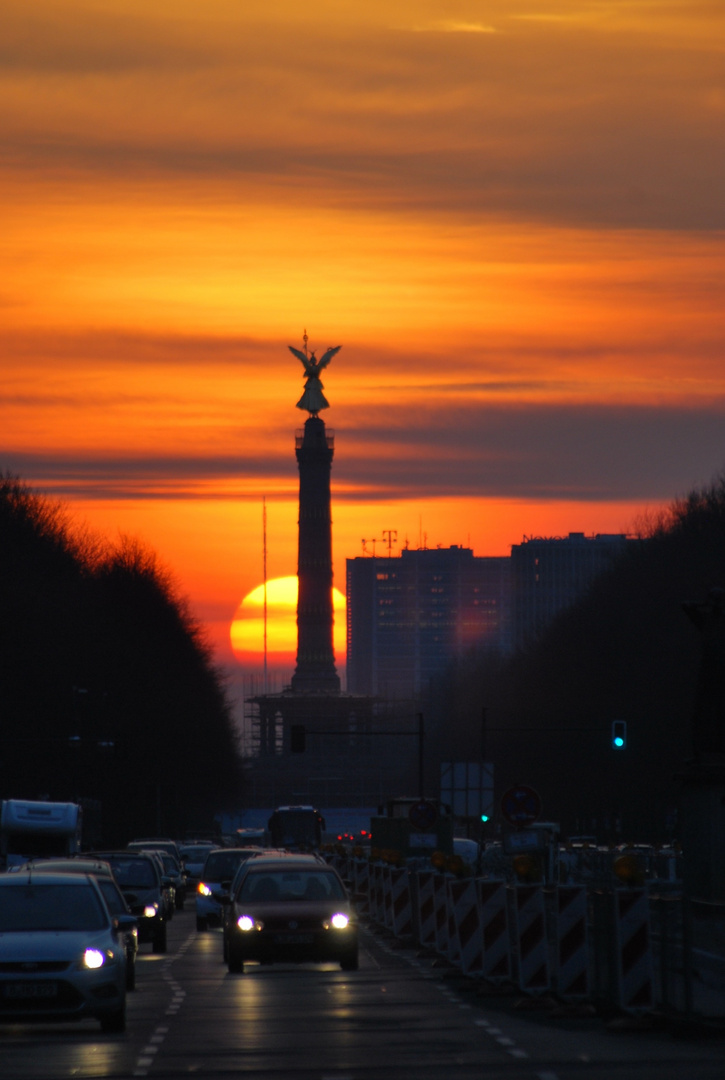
{"x": 62, "y": 955}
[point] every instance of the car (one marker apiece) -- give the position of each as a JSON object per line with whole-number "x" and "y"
{"x": 228, "y": 908}
{"x": 168, "y": 878}
{"x": 193, "y": 857}
{"x": 115, "y": 900}
{"x": 143, "y": 886}
{"x": 220, "y": 867}
{"x": 160, "y": 843}
{"x": 292, "y": 911}
{"x": 63, "y": 955}
{"x": 174, "y": 870}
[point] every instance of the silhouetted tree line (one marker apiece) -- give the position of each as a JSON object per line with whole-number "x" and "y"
{"x": 108, "y": 692}
{"x": 625, "y": 651}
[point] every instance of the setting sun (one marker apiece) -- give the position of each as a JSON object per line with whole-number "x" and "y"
{"x": 247, "y": 628}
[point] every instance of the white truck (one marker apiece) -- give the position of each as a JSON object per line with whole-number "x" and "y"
{"x": 37, "y": 829}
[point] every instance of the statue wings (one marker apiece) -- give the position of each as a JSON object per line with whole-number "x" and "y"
{"x": 327, "y": 357}
{"x": 313, "y": 365}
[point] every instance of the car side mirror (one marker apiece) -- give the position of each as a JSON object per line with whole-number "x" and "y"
{"x": 125, "y": 923}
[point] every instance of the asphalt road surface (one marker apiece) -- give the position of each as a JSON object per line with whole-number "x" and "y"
{"x": 402, "y": 1016}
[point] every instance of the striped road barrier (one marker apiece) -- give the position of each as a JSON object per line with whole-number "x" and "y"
{"x": 529, "y": 936}
{"x": 401, "y": 903}
{"x": 426, "y": 908}
{"x": 495, "y": 939}
{"x": 467, "y": 924}
{"x": 633, "y": 959}
{"x": 572, "y": 944}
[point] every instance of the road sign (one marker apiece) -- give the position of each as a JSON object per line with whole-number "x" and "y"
{"x": 423, "y": 815}
{"x": 521, "y": 805}
{"x": 467, "y": 787}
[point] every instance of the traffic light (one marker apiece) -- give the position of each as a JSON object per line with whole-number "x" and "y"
{"x": 619, "y": 734}
{"x": 298, "y": 738}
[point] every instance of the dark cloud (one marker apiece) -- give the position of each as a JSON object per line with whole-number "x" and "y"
{"x": 545, "y": 121}
{"x": 587, "y": 453}
{"x": 124, "y": 347}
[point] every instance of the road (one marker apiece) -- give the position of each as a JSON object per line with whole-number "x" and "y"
{"x": 400, "y": 1017}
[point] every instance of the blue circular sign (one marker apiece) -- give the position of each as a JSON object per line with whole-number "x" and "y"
{"x": 521, "y": 805}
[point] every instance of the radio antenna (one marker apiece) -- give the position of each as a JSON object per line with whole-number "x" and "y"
{"x": 264, "y": 573}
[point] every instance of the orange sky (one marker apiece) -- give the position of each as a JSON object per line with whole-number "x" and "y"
{"x": 509, "y": 214}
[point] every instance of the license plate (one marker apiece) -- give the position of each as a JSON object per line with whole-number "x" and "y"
{"x": 31, "y": 990}
{"x": 294, "y": 939}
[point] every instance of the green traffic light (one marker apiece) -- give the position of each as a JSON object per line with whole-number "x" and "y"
{"x": 619, "y": 734}
{"x": 484, "y": 817}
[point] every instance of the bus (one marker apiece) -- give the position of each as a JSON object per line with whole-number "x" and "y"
{"x": 32, "y": 830}
{"x": 297, "y": 828}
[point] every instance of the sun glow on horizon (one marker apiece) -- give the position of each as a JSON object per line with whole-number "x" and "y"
{"x": 247, "y": 628}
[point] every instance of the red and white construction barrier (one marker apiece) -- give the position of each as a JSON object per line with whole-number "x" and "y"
{"x": 401, "y": 903}
{"x": 467, "y": 926}
{"x": 361, "y": 885}
{"x": 572, "y": 945}
{"x": 453, "y": 949}
{"x": 635, "y": 983}
{"x": 377, "y": 909}
{"x": 388, "y": 897}
{"x": 529, "y": 935}
{"x": 425, "y": 902}
{"x": 441, "y": 912}
{"x": 493, "y": 919}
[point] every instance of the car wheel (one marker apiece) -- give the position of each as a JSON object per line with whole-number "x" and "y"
{"x": 201, "y": 924}
{"x": 179, "y": 902}
{"x": 159, "y": 941}
{"x": 115, "y": 1022}
{"x": 349, "y": 962}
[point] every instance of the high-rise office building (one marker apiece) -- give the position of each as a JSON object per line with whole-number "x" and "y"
{"x": 410, "y": 616}
{"x": 549, "y": 573}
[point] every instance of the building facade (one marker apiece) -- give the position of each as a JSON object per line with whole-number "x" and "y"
{"x": 549, "y": 573}
{"x": 410, "y": 616}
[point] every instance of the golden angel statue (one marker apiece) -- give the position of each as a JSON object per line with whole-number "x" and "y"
{"x": 313, "y": 400}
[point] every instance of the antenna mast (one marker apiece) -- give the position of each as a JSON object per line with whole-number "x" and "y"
{"x": 264, "y": 573}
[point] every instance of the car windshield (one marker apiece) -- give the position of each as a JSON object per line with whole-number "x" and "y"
{"x": 35, "y": 906}
{"x": 114, "y": 899}
{"x": 133, "y": 873}
{"x": 291, "y": 885}
{"x": 195, "y": 851}
{"x": 223, "y": 864}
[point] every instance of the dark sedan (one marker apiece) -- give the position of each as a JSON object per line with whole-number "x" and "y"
{"x": 294, "y": 911}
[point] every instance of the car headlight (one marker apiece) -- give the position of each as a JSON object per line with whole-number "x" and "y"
{"x": 247, "y": 923}
{"x": 203, "y": 889}
{"x": 93, "y": 958}
{"x": 340, "y": 921}
{"x": 150, "y": 910}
